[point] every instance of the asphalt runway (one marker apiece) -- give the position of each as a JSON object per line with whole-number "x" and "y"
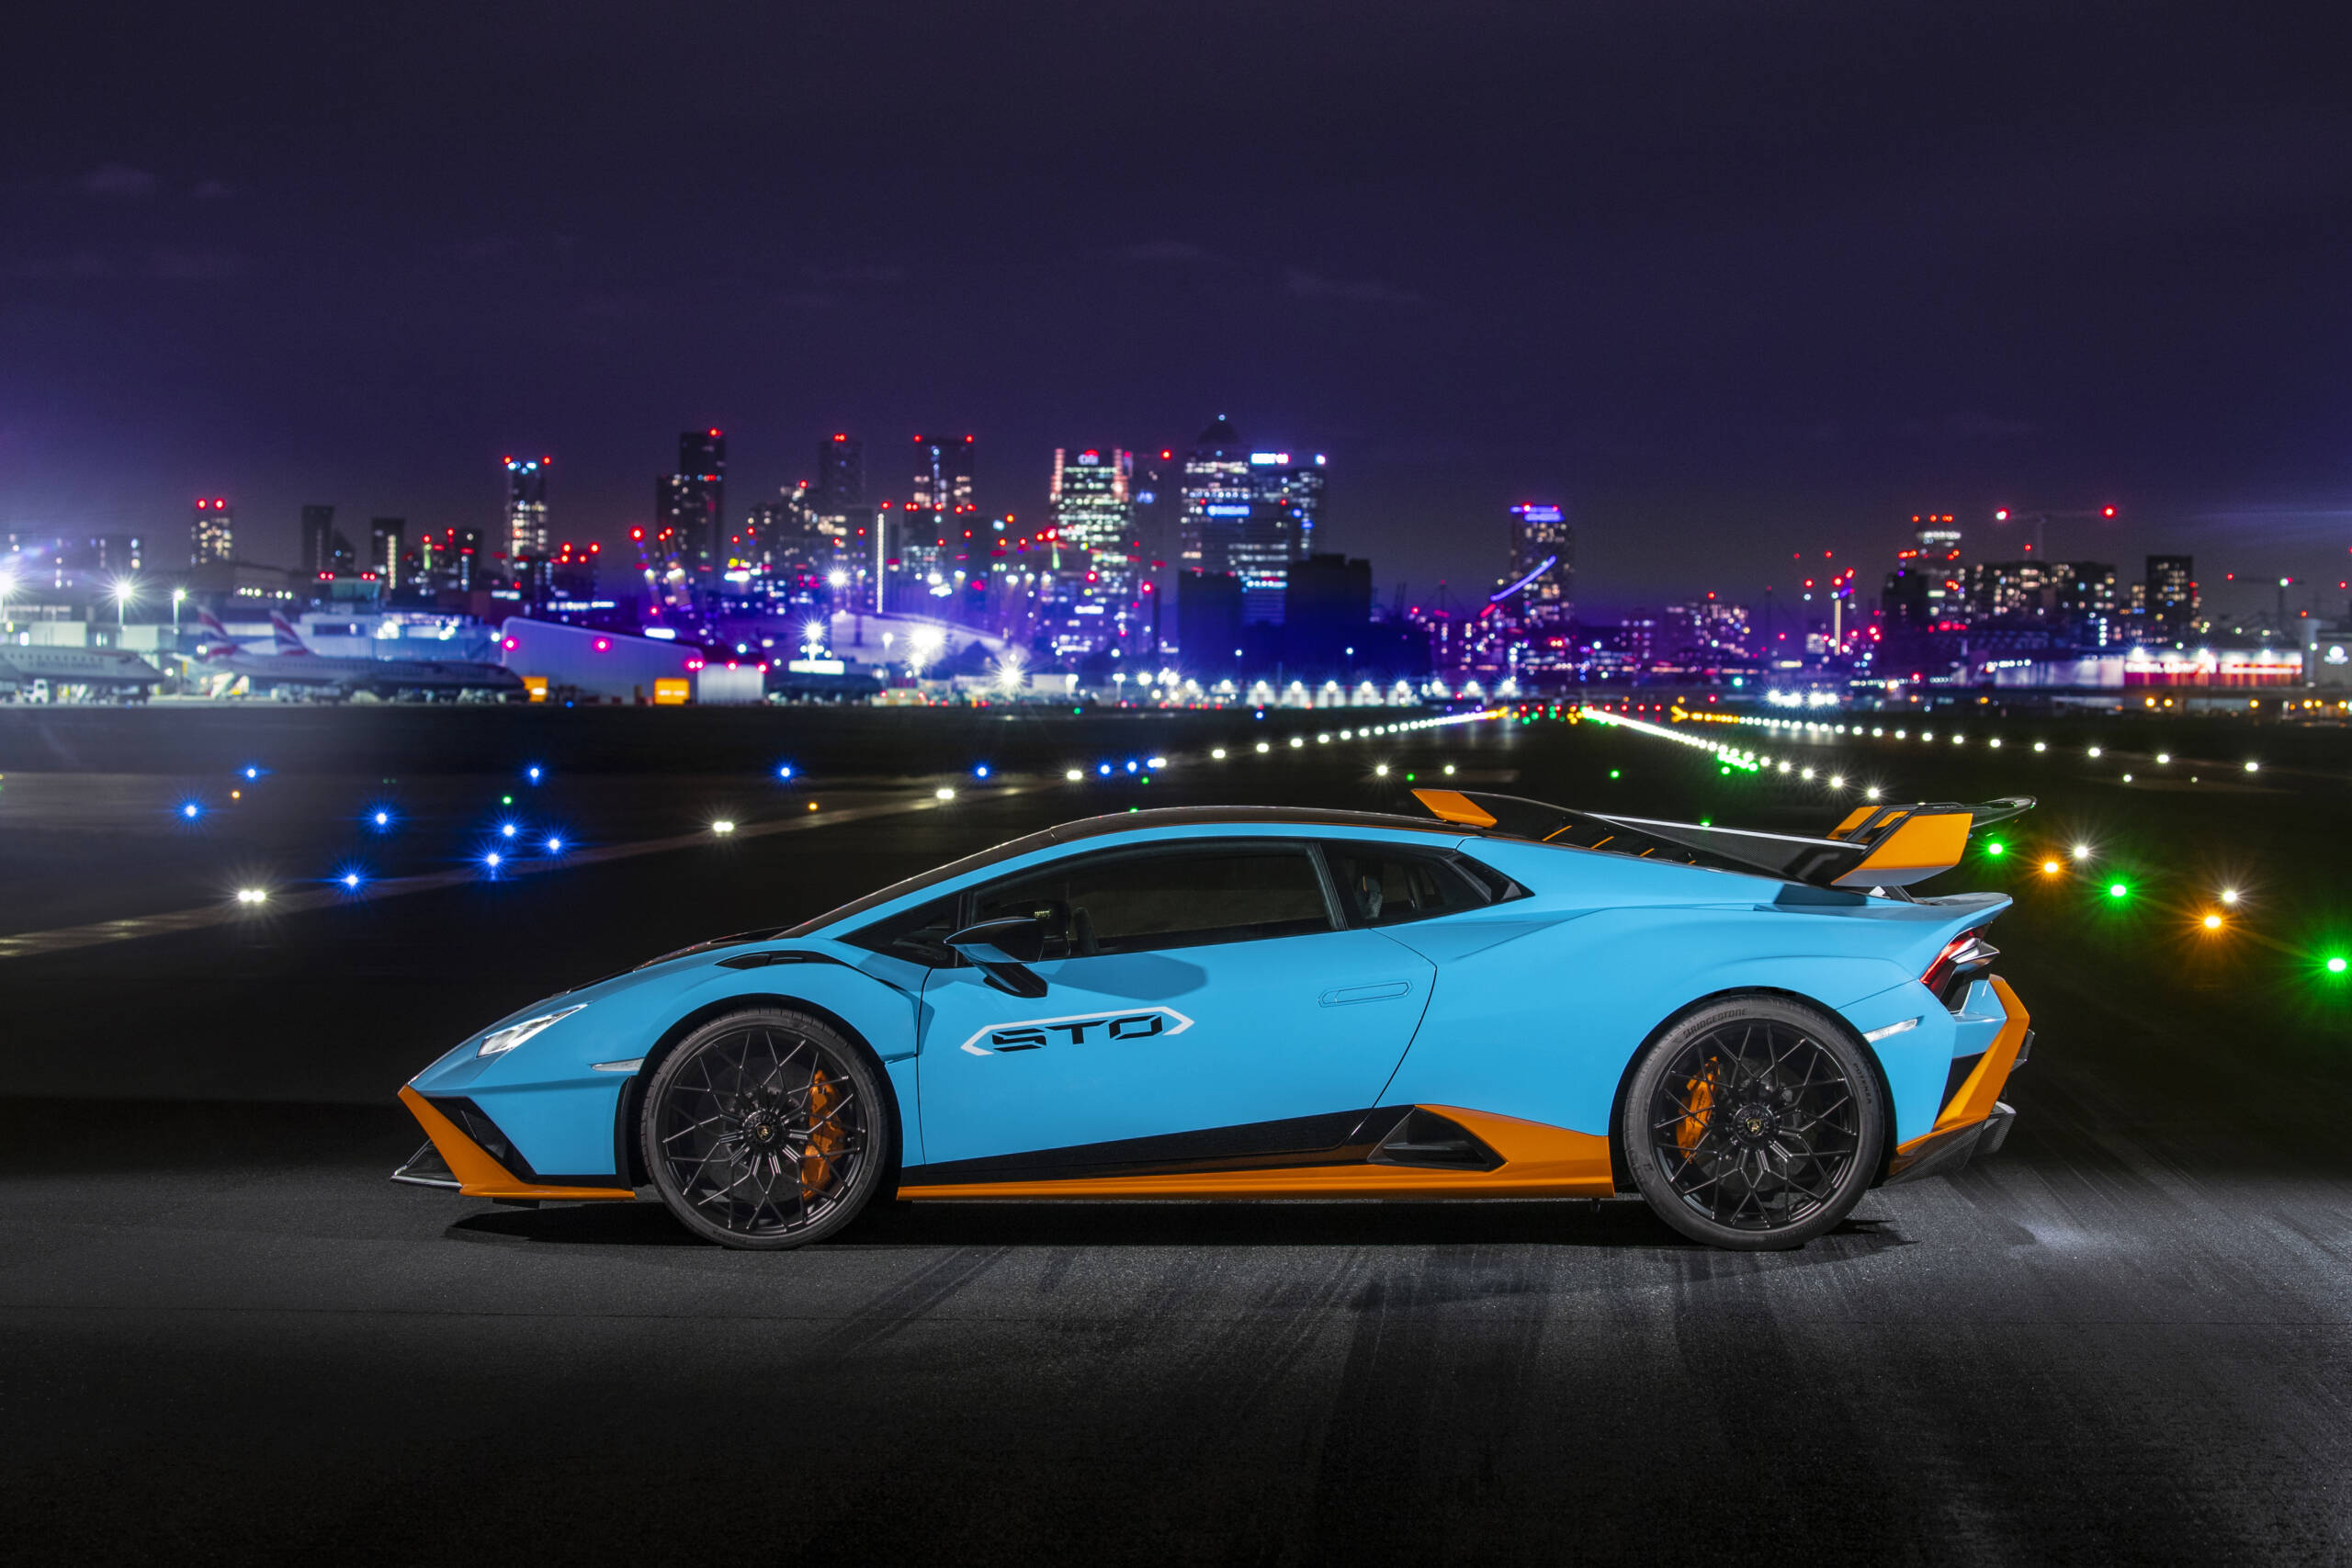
{"x": 2125, "y": 1338}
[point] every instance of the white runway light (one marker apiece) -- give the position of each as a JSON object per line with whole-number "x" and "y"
{"x": 722, "y": 827}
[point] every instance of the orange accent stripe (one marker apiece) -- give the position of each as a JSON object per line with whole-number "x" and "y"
{"x": 1453, "y": 805}
{"x": 1854, "y": 818}
{"x": 478, "y": 1176}
{"x": 1918, "y": 847}
{"x": 1984, "y": 1084}
{"x": 1539, "y": 1161}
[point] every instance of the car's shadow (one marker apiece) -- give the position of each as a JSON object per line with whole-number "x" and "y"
{"x": 1578, "y": 1223}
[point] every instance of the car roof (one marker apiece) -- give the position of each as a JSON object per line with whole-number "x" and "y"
{"x": 1120, "y": 823}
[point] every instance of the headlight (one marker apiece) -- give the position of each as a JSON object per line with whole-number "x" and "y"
{"x": 513, "y": 1035}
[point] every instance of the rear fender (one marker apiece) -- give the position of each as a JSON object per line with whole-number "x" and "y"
{"x": 1543, "y": 1025}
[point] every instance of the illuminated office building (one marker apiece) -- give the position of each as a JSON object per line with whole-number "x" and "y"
{"x": 1093, "y": 500}
{"x": 2171, "y": 596}
{"x": 211, "y": 533}
{"x": 526, "y": 532}
{"x": 690, "y": 505}
{"x": 1249, "y": 514}
{"x": 1542, "y": 574}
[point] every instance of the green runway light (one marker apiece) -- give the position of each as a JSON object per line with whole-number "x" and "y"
{"x": 1995, "y": 847}
{"x": 2117, "y": 890}
{"x": 506, "y": 800}
{"x": 1615, "y": 774}
{"x": 2335, "y": 965}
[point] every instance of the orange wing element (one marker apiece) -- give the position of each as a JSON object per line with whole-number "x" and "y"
{"x": 478, "y": 1176}
{"x": 1920, "y": 845}
{"x": 1453, "y": 805}
{"x": 1854, "y": 818}
{"x": 1978, "y": 1092}
{"x": 1539, "y": 1161}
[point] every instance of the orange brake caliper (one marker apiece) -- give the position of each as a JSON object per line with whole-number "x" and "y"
{"x": 824, "y": 1134}
{"x": 1700, "y": 1096}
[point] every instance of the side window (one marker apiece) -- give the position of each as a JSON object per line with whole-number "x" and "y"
{"x": 1380, "y": 885}
{"x": 918, "y": 935}
{"x": 1167, "y": 897}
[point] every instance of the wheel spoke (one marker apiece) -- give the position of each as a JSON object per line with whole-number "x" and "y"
{"x": 1785, "y": 1085}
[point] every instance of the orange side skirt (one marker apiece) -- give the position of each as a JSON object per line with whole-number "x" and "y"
{"x": 1539, "y": 1161}
{"x": 478, "y": 1176}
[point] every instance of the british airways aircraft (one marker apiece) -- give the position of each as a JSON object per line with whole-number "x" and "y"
{"x": 291, "y": 669}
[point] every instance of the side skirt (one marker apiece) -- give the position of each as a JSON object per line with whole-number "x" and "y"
{"x": 1425, "y": 1151}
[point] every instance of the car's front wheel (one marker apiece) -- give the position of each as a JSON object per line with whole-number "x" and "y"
{"x": 766, "y": 1129}
{"x": 1754, "y": 1123}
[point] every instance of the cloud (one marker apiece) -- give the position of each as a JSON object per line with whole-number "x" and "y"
{"x": 1305, "y": 284}
{"x": 209, "y": 190}
{"x": 118, "y": 179}
{"x": 1164, "y": 251}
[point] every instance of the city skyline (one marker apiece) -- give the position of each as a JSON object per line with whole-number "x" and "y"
{"x": 1747, "y": 287}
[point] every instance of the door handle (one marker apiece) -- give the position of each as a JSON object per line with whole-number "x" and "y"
{"x": 1381, "y": 991}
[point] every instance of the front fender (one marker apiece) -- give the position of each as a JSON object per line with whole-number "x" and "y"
{"x": 559, "y": 1107}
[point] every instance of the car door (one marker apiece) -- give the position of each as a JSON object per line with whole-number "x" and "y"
{"x": 1193, "y": 987}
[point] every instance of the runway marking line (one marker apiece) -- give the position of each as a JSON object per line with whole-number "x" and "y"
{"x": 33, "y": 944}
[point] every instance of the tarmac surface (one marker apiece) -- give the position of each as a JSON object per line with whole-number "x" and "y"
{"x": 2127, "y": 1338}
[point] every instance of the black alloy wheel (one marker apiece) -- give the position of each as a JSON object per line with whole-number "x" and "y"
{"x": 1755, "y": 1123}
{"x": 766, "y": 1129}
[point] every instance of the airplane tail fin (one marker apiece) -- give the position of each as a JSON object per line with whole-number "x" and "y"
{"x": 289, "y": 641}
{"x": 211, "y": 623}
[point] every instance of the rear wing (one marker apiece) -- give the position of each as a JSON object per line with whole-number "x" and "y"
{"x": 1875, "y": 846}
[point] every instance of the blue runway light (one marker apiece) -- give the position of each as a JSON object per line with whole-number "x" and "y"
{"x": 253, "y": 773}
{"x": 1131, "y": 767}
{"x": 555, "y": 846}
{"x": 493, "y": 860}
{"x": 981, "y": 771}
{"x": 532, "y": 772}
{"x": 350, "y": 880}
{"x": 784, "y": 771}
{"x": 506, "y": 829}
{"x": 1104, "y": 770}
{"x": 191, "y": 811}
{"x": 381, "y": 818}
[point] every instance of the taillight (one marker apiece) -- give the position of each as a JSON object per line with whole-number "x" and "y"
{"x": 1967, "y": 951}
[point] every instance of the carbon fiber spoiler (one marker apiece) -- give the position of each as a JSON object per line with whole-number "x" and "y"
{"x": 1875, "y": 846}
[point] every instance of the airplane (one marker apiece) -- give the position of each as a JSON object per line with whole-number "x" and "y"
{"x": 292, "y": 669}
{"x": 101, "y": 673}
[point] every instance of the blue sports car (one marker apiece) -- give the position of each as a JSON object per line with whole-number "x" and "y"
{"x": 1505, "y": 998}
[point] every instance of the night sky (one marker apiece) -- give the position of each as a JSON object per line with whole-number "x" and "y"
{"x": 1729, "y": 281}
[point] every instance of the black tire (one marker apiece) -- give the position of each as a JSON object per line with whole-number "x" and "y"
{"x": 1755, "y": 1123}
{"x": 766, "y": 1129}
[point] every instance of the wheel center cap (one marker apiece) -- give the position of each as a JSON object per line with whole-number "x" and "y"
{"x": 763, "y": 1130}
{"x": 1754, "y": 1123}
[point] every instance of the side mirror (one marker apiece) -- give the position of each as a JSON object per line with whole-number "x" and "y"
{"x": 1003, "y": 949}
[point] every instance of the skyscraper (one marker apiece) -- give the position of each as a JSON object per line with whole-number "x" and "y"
{"x": 211, "y": 533}
{"x": 526, "y": 532}
{"x": 1250, "y": 513}
{"x": 324, "y": 549}
{"x": 932, "y": 524}
{"x": 1542, "y": 562}
{"x": 1215, "y": 504}
{"x": 1092, "y": 498}
{"x": 690, "y": 505}
{"x": 2172, "y": 596}
{"x": 841, "y": 475}
{"x": 386, "y": 539}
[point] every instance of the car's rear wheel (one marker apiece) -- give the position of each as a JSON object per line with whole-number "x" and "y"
{"x": 766, "y": 1129}
{"x": 1754, "y": 1123}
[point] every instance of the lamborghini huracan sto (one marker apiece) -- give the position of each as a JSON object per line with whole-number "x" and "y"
{"x": 1502, "y": 999}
